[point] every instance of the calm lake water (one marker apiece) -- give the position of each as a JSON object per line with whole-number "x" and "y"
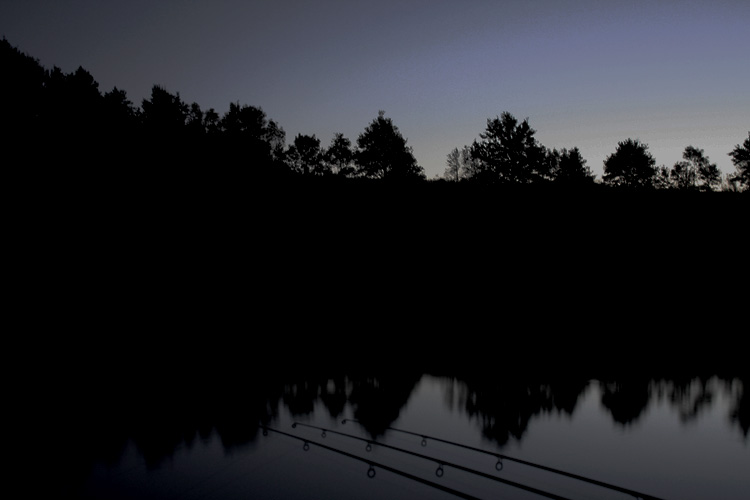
{"x": 672, "y": 437}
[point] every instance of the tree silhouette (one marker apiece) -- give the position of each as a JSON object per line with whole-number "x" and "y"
{"x": 194, "y": 122}
{"x": 54, "y": 104}
{"x": 683, "y": 175}
{"x": 631, "y": 165}
{"x": 164, "y": 114}
{"x": 696, "y": 170}
{"x": 250, "y": 136}
{"x": 21, "y": 91}
{"x": 662, "y": 179}
{"x": 83, "y": 101}
{"x": 509, "y": 153}
{"x": 453, "y": 170}
{"x": 120, "y": 114}
{"x": 71, "y": 109}
{"x": 305, "y": 156}
{"x": 568, "y": 167}
{"x": 741, "y": 160}
{"x": 460, "y": 164}
{"x": 70, "y": 116}
{"x": 212, "y": 122}
{"x": 244, "y": 121}
{"x": 708, "y": 173}
{"x": 164, "y": 127}
{"x": 383, "y": 153}
{"x": 275, "y": 136}
{"x": 340, "y": 157}
{"x": 120, "y": 126}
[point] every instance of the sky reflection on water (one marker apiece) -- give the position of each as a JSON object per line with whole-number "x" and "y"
{"x": 680, "y": 438}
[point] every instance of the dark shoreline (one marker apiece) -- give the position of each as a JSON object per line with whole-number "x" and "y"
{"x": 637, "y": 279}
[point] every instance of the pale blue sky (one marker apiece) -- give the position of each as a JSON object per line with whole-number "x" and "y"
{"x": 586, "y": 73}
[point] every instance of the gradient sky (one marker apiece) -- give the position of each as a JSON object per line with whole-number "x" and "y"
{"x": 587, "y": 73}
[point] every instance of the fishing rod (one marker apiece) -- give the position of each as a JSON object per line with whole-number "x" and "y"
{"x": 500, "y": 457}
{"x": 441, "y": 463}
{"x": 373, "y": 464}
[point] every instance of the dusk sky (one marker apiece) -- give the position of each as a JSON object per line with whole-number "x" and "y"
{"x": 586, "y": 73}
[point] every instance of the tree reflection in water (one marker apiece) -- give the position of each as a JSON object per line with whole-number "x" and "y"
{"x": 162, "y": 410}
{"x": 506, "y": 408}
{"x": 160, "y": 415}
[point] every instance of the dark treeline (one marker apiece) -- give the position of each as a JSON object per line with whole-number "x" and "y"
{"x": 58, "y": 121}
{"x": 119, "y": 195}
{"x": 174, "y": 236}
{"x": 167, "y": 214}
{"x": 508, "y": 153}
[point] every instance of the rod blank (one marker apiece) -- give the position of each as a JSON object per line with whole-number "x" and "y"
{"x": 373, "y": 464}
{"x": 440, "y": 463}
{"x": 500, "y": 457}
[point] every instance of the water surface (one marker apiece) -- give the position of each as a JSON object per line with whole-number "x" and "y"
{"x": 682, "y": 437}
